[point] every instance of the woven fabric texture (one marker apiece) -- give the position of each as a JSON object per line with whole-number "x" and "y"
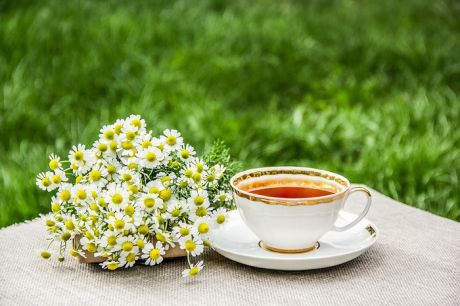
{"x": 415, "y": 261}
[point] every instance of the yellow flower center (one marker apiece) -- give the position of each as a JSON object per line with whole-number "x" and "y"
{"x": 149, "y": 202}
{"x": 196, "y": 177}
{"x": 90, "y": 247}
{"x": 129, "y": 210}
{"x": 155, "y": 254}
{"x": 176, "y": 212}
{"x": 94, "y": 207}
{"x": 102, "y": 147}
{"x": 199, "y": 167}
{"x": 112, "y": 266}
{"x": 50, "y": 223}
{"x": 119, "y": 224}
{"x": 220, "y": 219}
{"x": 109, "y": 134}
{"x": 143, "y": 229}
{"x": 127, "y": 177}
{"x": 198, "y": 200}
{"x": 127, "y": 246}
{"x": 95, "y": 175}
{"x": 65, "y": 236}
{"x": 113, "y": 145}
{"x": 160, "y": 237}
{"x": 171, "y": 140}
{"x": 185, "y": 154}
{"x": 222, "y": 197}
{"x": 102, "y": 202}
{"x": 154, "y": 190}
{"x": 146, "y": 143}
{"x": 55, "y": 207}
{"x": 46, "y": 182}
{"x": 131, "y": 257}
{"x": 193, "y": 271}
{"x": 117, "y": 198}
{"x": 188, "y": 173}
{"x": 78, "y": 155}
{"x": 132, "y": 166}
{"x": 81, "y": 194}
{"x": 190, "y": 245}
{"x": 111, "y": 169}
{"x": 165, "y": 194}
{"x": 184, "y": 231}
{"x": 136, "y": 122}
{"x": 210, "y": 178}
{"x": 69, "y": 225}
{"x": 130, "y": 135}
{"x": 112, "y": 240}
{"x": 201, "y": 212}
{"x": 140, "y": 243}
{"x": 53, "y": 164}
{"x": 65, "y": 195}
{"x": 183, "y": 184}
{"x": 203, "y": 228}
{"x": 151, "y": 157}
{"x": 127, "y": 145}
{"x": 134, "y": 189}
{"x": 117, "y": 128}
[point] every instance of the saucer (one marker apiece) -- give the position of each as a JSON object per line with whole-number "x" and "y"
{"x": 236, "y": 241}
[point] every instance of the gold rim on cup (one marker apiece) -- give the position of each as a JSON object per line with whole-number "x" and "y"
{"x": 260, "y": 172}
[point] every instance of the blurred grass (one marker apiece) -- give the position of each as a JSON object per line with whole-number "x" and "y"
{"x": 370, "y": 89}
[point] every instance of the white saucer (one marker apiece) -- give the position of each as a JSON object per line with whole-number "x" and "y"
{"x": 235, "y": 241}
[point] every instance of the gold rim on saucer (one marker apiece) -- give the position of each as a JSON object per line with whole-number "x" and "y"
{"x": 266, "y": 247}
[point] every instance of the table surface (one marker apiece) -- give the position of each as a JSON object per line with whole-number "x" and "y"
{"x": 415, "y": 261}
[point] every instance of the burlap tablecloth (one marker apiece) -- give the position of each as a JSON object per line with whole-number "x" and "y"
{"x": 416, "y": 261}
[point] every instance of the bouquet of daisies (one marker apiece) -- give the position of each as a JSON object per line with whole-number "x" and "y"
{"x": 132, "y": 197}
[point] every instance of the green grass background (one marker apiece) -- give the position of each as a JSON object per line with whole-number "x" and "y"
{"x": 370, "y": 89}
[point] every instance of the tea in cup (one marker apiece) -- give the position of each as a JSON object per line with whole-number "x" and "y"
{"x": 290, "y": 208}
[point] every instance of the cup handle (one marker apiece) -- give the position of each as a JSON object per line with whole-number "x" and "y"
{"x": 362, "y": 215}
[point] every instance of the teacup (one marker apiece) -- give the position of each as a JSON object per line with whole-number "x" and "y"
{"x": 290, "y": 208}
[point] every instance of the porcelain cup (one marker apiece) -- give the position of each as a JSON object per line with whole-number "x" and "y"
{"x": 293, "y": 225}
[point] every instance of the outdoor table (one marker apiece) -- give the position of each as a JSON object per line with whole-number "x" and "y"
{"x": 415, "y": 261}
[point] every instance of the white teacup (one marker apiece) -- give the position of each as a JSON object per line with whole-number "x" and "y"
{"x": 292, "y": 225}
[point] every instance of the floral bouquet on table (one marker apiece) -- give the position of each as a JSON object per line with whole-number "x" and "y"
{"x": 135, "y": 197}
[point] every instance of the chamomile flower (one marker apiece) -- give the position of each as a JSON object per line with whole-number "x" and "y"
{"x": 118, "y": 126}
{"x": 223, "y": 197}
{"x": 199, "y": 197}
{"x": 44, "y": 182}
{"x": 80, "y": 193}
{"x": 120, "y": 222}
{"x": 107, "y": 134}
{"x": 136, "y": 121}
{"x": 202, "y": 227}
{"x": 172, "y": 139}
{"x": 153, "y": 254}
{"x": 126, "y": 243}
{"x": 193, "y": 270}
{"x": 117, "y": 197}
{"x": 80, "y": 159}
{"x": 110, "y": 264}
{"x": 219, "y": 216}
{"x": 150, "y": 157}
{"x": 198, "y": 211}
{"x": 149, "y": 201}
{"x": 88, "y": 244}
{"x": 194, "y": 245}
{"x": 198, "y": 165}
{"x": 182, "y": 230}
{"x": 55, "y": 162}
{"x": 186, "y": 152}
{"x": 64, "y": 193}
{"x": 128, "y": 259}
{"x": 97, "y": 175}
{"x": 109, "y": 240}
